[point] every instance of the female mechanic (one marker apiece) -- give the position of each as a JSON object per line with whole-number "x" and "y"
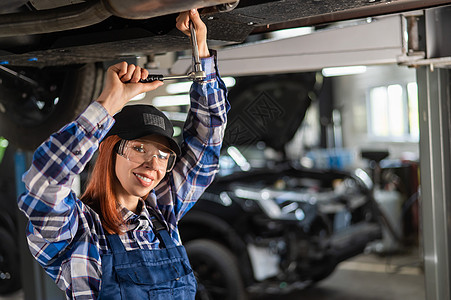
{"x": 120, "y": 240}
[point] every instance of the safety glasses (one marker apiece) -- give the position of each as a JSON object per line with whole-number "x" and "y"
{"x": 145, "y": 151}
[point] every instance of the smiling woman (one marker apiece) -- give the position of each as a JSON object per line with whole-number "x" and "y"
{"x": 120, "y": 240}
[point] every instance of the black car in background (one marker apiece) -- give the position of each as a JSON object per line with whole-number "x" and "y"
{"x": 268, "y": 224}
{"x": 276, "y": 228}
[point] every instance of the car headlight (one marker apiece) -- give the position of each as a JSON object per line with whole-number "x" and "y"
{"x": 278, "y": 204}
{"x": 364, "y": 177}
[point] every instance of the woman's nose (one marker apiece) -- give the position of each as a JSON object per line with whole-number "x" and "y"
{"x": 152, "y": 163}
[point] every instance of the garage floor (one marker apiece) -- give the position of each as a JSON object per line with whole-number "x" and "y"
{"x": 366, "y": 277}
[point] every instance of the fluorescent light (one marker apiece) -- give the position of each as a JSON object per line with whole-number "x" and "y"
{"x": 177, "y": 131}
{"x": 176, "y": 116}
{"x": 229, "y": 81}
{"x": 340, "y": 71}
{"x": 179, "y": 93}
{"x": 178, "y": 87}
{"x": 138, "y": 97}
{"x": 175, "y": 100}
{"x": 183, "y": 87}
{"x": 291, "y": 32}
{"x": 239, "y": 158}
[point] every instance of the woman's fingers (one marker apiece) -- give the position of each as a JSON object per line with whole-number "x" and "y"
{"x": 183, "y": 22}
{"x": 122, "y": 84}
{"x": 150, "y": 86}
{"x": 120, "y": 68}
{"x": 128, "y": 74}
{"x": 199, "y": 25}
{"x": 201, "y": 30}
{"x": 136, "y": 73}
{"x": 144, "y": 73}
{"x": 136, "y": 76}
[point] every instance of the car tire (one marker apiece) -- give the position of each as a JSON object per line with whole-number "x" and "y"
{"x": 9, "y": 264}
{"x": 30, "y": 114}
{"x": 216, "y": 271}
{"x": 324, "y": 270}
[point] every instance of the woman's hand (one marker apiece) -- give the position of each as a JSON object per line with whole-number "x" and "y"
{"x": 122, "y": 84}
{"x": 199, "y": 26}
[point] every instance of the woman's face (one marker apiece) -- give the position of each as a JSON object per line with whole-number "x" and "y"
{"x": 138, "y": 179}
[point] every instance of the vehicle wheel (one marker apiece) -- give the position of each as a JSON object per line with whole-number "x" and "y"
{"x": 323, "y": 269}
{"x": 30, "y": 112}
{"x": 216, "y": 271}
{"x": 9, "y": 264}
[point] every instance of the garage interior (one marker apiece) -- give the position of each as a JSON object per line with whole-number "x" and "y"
{"x": 392, "y": 94}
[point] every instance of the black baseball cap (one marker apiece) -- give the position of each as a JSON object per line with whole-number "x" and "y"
{"x": 135, "y": 121}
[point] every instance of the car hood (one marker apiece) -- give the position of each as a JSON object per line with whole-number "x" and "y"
{"x": 268, "y": 108}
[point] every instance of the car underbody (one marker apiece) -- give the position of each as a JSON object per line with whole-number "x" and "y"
{"x": 37, "y": 37}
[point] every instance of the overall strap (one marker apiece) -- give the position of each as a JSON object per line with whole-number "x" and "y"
{"x": 115, "y": 243}
{"x": 161, "y": 232}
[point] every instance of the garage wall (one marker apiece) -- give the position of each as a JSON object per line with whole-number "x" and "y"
{"x": 350, "y": 93}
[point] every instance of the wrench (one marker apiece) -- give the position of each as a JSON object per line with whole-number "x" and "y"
{"x": 197, "y": 74}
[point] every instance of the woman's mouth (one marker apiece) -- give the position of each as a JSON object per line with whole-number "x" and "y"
{"x": 146, "y": 181}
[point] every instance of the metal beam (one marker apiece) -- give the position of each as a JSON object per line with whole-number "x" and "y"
{"x": 435, "y": 151}
{"x": 378, "y": 41}
{"x": 364, "y": 9}
{"x": 435, "y": 114}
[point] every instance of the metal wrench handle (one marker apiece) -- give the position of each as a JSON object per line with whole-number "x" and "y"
{"x": 197, "y": 74}
{"x": 160, "y": 77}
{"x": 197, "y": 67}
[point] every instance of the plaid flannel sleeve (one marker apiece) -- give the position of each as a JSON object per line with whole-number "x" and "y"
{"x": 202, "y": 140}
{"x": 52, "y": 208}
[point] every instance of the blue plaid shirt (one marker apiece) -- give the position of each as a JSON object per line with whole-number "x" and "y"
{"x": 66, "y": 236}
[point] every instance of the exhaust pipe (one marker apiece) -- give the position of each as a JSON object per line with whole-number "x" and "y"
{"x": 144, "y": 9}
{"x": 55, "y": 19}
{"x": 92, "y": 12}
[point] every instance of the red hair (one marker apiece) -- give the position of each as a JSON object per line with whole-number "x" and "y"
{"x": 99, "y": 193}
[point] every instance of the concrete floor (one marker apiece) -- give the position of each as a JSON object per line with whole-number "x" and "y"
{"x": 365, "y": 277}
{"x": 368, "y": 277}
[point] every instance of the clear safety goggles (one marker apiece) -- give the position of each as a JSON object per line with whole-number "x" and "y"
{"x": 144, "y": 151}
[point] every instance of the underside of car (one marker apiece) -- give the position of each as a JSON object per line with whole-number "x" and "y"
{"x": 58, "y": 32}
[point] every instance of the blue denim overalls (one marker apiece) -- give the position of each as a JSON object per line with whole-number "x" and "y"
{"x": 147, "y": 274}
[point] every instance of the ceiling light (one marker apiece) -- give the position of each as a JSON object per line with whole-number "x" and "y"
{"x": 341, "y": 71}
{"x": 229, "y": 81}
{"x": 138, "y": 97}
{"x": 175, "y": 100}
{"x": 291, "y": 32}
{"x": 183, "y": 87}
{"x": 178, "y": 87}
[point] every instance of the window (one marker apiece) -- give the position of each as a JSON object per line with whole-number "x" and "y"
{"x": 393, "y": 112}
